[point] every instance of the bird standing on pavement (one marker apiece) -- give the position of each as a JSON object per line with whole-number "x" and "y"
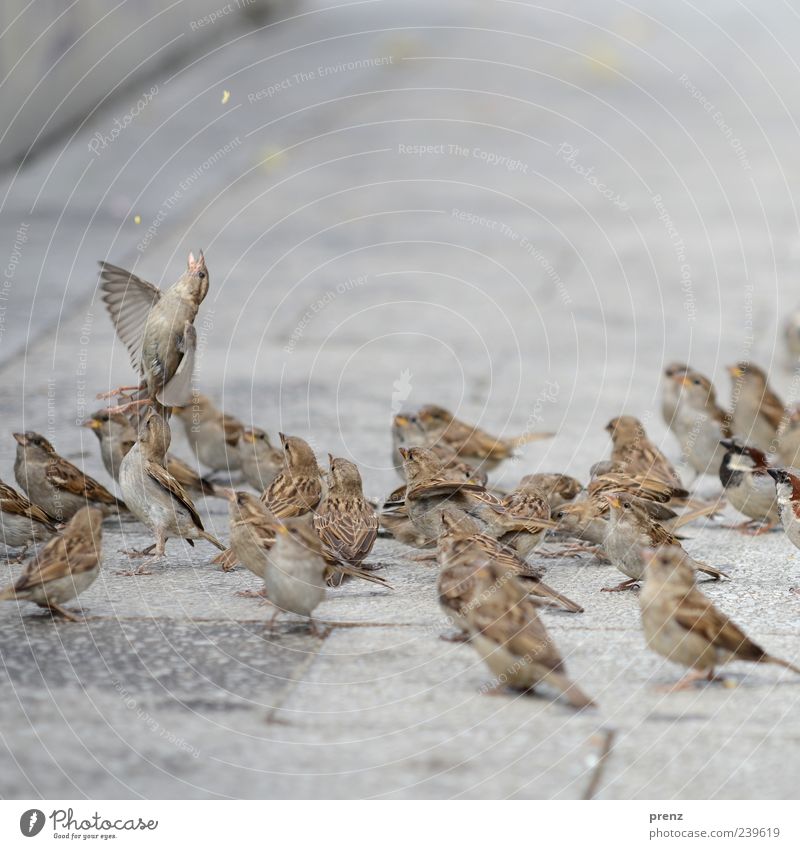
{"x": 681, "y": 624}
{"x": 156, "y": 498}
{"x": 506, "y": 631}
{"x": 749, "y": 488}
{"x": 260, "y": 461}
{"x": 157, "y": 328}
{"x": 670, "y": 392}
{"x": 630, "y": 530}
{"x": 756, "y": 411}
{"x": 117, "y": 436}
{"x": 21, "y": 523}
{"x": 637, "y": 455}
{"x": 787, "y": 487}
{"x": 345, "y": 521}
{"x": 212, "y": 434}
{"x": 55, "y": 484}
{"x": 297, "y": 488}
{"x": 64, "y": 568}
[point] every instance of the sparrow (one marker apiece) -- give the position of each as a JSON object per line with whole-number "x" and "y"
{"x": 630, "y": 529}
{"x": 297, "y": 488}
{"x": 430, "y": 488}
{"x": 748, "y": 486}
{"x": 789, "y": 443}
{"x": 154, "y": 496}
{"x": 117, "y": 436}
{"x": 345, "y": 522}
{"x": 787, "y": 487}
{"x": 530, "y": 511}
{"x": 64, "y": 568}
{"x": 252, "y": 533}
{"x": 670, "y": 392}
{"x": 213, "y": 435}
{"x": 472, "y": 444}
{"x": 157, "y": 328}
{"x": 21, "y": 523}
{"x": 259, "y": 460}
{"x": 505, "y": 629}
{"x": 681, "y": 624}
{"x": 756, "y": 411}
{"x": 462, "y": 550}
{"x": 636, "y": 453}
{"x": 556, "y": 489}
{"x": 408, "y": 432}
{"x": 55, "y": 484}
{"x": 699, "y": 422}
{"x": 294, "y": 578}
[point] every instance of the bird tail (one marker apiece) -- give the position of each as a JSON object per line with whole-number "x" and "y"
{"x": 781, "y": 662}
{"x": 342, "y": 569}
{"x": 542, "y": 590}
{"x": 227, "y": 560}
{"x": 710, "y": 570}
{"x": 572, "y": 692}
{"x": 525, "y": 438}
{"x": 212, "y": 539}
{"x": 698, "y": 511}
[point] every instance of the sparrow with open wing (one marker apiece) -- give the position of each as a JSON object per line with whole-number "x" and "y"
{"x": 157, "y": 328}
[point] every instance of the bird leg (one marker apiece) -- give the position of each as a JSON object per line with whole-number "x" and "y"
{"x": 763, "y": 528}
{"x": 423, "y": 558}
{"x": 123, "y": 408}
{"x": 262, "y": 593}
{"x": 625, "y": 585}
{"x": 160, "y": 547}
{"x": 689, "y": 680}
{"x": 119, "y": 391}
{"x": 133, "y": 552}
{"x": 18, "y": 558}
{"x": 749, "y": 526}
{"x": 317, "y": 630}
{"x": 67, "y": 614}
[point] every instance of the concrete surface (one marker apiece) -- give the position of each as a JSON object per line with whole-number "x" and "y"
{"x": 351, "y": 275}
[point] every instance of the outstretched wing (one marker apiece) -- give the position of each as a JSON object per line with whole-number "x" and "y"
{"x": 129, "y": 300}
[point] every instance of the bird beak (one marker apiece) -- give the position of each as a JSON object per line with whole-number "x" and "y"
{"x": 248, "y": 436}
{"x": 403, "y": 453}
{"x": 282, "y": 437}
{"x": 613, "y": 500}
{"x": 685, "y": 381}
{"x": 190, "y": 262}
{"x": 330, "y": 460}
{"x": 734, "y": 371}
{"x": 401, "y": 421}
{"x": 281, "y": 528}
{"x": 20, "y": 437}
{"x": 92, "y": 424}
{"x": 774, "y": 474}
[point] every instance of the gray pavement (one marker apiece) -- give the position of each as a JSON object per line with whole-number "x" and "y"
{"x": 520, "y": 212}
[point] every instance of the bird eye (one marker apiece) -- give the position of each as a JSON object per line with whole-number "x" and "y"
{"x": 696, "y": 382}
{"x": 202, "y": 275}
{"x": 626, "y": 504}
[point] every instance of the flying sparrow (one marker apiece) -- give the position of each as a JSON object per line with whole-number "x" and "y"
{"x": 117, "y": 436}
{"x": 681, "y": 624}
{"x": 297, "y": 488}
{"x": 505, "y": 630}
{"x": 471, "y": 443}
{"x": 670, "y": 392}
{"x": 636, "y": 453}
{"x": 21, "y": 523}
{"x": 55, "y": 484}
{"x": 757, "y": 413}
{"x": 699, "y": 422}
{"x": 157, "y": 328}
{"x": 749, "y": 488}
{"x": 64, "y": 568}
{"x": 213, "y": 435}
{"x": 344, "y": 520}
{"x": 260, "y": 461}
{"x": 787, "y": 486}
{"x": 154, "y": 496}
{"x": 630, "y": 529}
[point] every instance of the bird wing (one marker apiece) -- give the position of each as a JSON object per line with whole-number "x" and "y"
{"x": 12, "y": 502}
{"x": 177, "y": 392}
{"x": 348, "y": 533}
{"x": 290, "y": 495}
{"x": 696, "y": 613}
{"x": 63, "y": 555}
{"x": 233, "y": 428}
{"x": 63, "y": 475}
{"x": 170, "y": 485}
{"x": 772, "y": 408}
{"x": 440, "y": 486}
{"x": 129, "y": 300}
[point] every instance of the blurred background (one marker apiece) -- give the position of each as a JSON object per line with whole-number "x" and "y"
{"x": 519, "y": 211}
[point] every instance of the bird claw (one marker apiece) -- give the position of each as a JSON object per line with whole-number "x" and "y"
{"x": 619, "y": 588}
{"x": 251, "y": 594}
